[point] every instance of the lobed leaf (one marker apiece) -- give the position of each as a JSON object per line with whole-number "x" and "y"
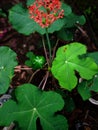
{"x": 73, "y": 19}
{"x": 86, "y": 87}
{"x": 69, "y": 58}
{"x": 20, "y": 20}
{"x": 84, "y": 90}
{"x": 7, "y": 64}
{"x": 94, "y": 85}
{"x": 32, "y": 104}
{"x": 94, "y": 55}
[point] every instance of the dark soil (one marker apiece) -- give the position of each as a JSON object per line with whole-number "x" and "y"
{"x": 85, "y": 115}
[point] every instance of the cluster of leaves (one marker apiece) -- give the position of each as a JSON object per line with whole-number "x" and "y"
{"x": 35, "y": 61}
{"x": 29, "y": 105}
{"x": 31, "y": 102}
{"x": 86, "y": 87}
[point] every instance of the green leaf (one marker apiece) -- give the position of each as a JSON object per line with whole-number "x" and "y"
{"x": 94, "y": 85}
{"x": 72, "y": 19}
{"x": 4, "y": 82}
{"x": 69, "y": 104}
{"x": 20, "y": 19}
{"x": 30, "y": 2}
{"x": 36, "y": 62}
{"x": 67, "y": 9}
{"x": 31, "y": 104}
{"x": 84, "y": 90}
{"x": 7, "y": 64}
{"x": 57, "y": 25}
{"x": 69, "y": 58}
{"x": 86, "y": 87}
{"x": 31, "y": 56}
{"x": 65, "y": 34}
{"x": 94, "y": 55}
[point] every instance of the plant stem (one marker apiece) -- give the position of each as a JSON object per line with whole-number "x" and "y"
{"x": 41, "y": 81}
{"x": 46, "y": 77}
{"x": 54, "y": 50}
{"x": 45, "y": 51}
{"x": 33, "y": 75}
{"x": 49, "y": 46}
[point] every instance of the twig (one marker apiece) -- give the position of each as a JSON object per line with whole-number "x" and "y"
{"x": 93, "y": 35}
{"x": 42, "y": 81}
{"x": 33, "y": 75}
{"x": 26, "y": 68}
{"x": 54, "y": 50}
{"x": 45, "y": 51}
{"x": 46, "y": 77}
{"x": 81, "y": 30}
{"x": 86, "y": 115}
{"x": 9, "y": 127}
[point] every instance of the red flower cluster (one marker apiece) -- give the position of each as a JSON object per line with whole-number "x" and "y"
{"x": 45, "y": 12}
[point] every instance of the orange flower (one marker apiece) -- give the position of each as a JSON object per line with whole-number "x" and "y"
{"x": 45, "y": 12}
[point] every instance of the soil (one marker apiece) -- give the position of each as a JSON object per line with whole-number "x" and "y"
{"x": 85, "y": 115}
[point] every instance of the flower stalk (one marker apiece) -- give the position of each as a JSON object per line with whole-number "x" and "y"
{"x": 45, "y": 51}
{"x": 49, "y": 46}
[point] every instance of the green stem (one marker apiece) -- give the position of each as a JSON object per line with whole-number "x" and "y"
{"x": 49, "y": 46}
